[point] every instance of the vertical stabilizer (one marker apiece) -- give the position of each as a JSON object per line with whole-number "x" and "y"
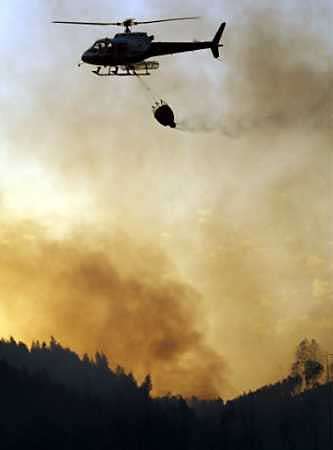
{"x": 216, "y": 41}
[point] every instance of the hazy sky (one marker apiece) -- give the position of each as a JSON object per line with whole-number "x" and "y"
{"x": 202, "y": 255}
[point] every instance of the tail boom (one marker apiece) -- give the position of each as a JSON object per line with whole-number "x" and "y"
{"x": 170, "y": 48}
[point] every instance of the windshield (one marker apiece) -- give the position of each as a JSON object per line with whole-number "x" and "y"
{"x": 102, "y": 44}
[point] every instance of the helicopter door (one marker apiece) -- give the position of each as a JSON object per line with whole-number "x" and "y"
{"x": 121, "y": 49}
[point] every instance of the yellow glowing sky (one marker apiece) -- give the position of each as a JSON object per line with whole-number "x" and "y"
{"x": 227, "y": 224}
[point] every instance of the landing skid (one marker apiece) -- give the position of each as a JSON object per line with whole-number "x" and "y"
{"x": 135, "y": 70}
{"x": 123, "y": 74}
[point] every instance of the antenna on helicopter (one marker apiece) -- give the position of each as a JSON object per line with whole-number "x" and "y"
{"x": 128, "y": 23}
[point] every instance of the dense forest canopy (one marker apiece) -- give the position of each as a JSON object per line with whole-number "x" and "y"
{"x": 52, "y": 398}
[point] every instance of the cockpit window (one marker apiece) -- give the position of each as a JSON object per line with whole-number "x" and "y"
{"x": 102, "y": 44}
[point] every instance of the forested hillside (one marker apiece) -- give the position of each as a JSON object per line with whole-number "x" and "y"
{"x": 51, "y": 399}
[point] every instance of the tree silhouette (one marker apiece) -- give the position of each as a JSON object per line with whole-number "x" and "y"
{"x": 308, "y": 365}
{"x": 147, "y": 386}
{"x": 312, "y": 372}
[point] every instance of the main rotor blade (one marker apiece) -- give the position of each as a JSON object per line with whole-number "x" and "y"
{"x": 90, "y": 23}
{"x": 166, "y": 20}
{"x": 128, "y": 22}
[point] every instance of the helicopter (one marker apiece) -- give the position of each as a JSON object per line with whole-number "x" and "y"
{"x": 126, "y": 53}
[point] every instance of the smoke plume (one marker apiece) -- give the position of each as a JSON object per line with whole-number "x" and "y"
{"x": 99, "y": 292}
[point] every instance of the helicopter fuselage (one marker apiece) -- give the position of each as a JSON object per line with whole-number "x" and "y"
{"x": 131, "y": 48}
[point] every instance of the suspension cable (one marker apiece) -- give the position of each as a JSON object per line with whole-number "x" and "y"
{"x": 147, "y": 89}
